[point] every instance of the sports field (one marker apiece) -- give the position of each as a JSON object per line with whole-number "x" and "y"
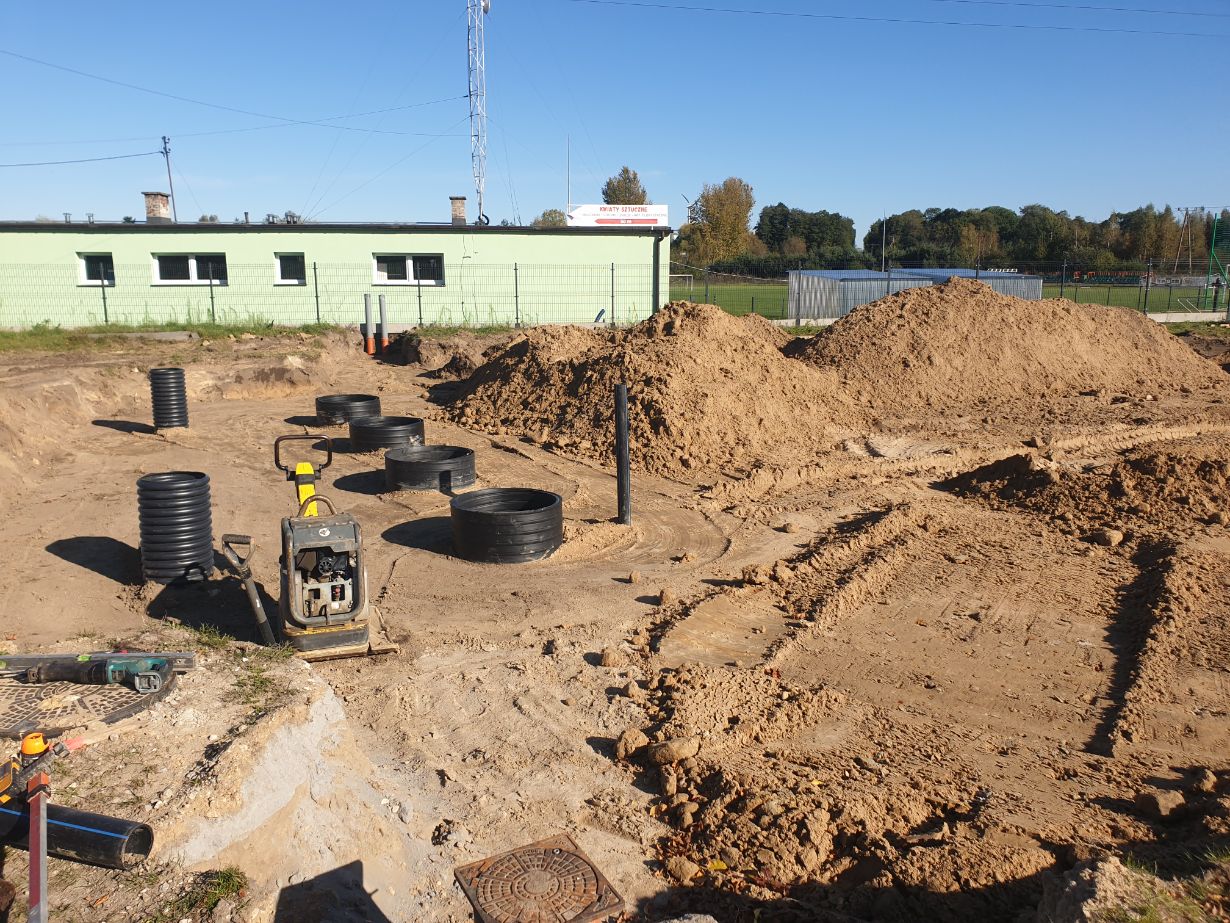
{"x": 770, "y": 299}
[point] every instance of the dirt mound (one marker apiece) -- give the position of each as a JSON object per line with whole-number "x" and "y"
{"x": 960, "y": 348}
{"x": 1172, "y": 485}
{"x": 452, "y": 357}
{"x": 706, "y": 391}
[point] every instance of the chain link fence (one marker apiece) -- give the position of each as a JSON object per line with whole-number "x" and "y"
{"x": 471, "y": 294}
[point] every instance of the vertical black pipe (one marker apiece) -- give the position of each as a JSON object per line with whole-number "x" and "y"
{"x": 168, "y": 397}
{"x": 623, "y": 474}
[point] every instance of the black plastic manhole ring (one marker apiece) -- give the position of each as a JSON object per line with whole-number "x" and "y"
{"x": 507, "y": 525}
{"x": 548, "y": 880}
{"x": 339, "y": 409}
{"x": 429, "y": 467}
{"x": 369, "y": 434}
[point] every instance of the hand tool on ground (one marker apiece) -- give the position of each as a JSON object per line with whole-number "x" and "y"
{"x": 144, "y": 671}
{"x": 241, "y": 563}
{"x": 323, "y": 605}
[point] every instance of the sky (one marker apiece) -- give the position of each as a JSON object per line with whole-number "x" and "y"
{"x": 863, "y": 107}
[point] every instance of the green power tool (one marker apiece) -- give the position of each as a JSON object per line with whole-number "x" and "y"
{"x": 143, "y": 671}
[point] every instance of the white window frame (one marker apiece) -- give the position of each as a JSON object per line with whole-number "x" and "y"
{"x": 155, "y": 268}
{"x": 277, "y": 268}
{"x": 409, "y": 258}
{"x": 95, "y": 283}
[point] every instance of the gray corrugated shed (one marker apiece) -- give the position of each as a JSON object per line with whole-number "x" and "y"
{"x": 1018, "y": 285}
{"x": 831, "y": 293}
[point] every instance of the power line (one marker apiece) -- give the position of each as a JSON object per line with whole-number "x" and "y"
{"x": 898, "y": 21}
{"x": 1086, "y": 8}
{"x": 201, "y": 102}
{"x": 290, "y": 124}
{"x": 56, "y": 163}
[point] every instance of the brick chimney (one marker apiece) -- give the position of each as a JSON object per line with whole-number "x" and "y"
{"x": 458, "y": 204}
{"x": 157, "y": 208}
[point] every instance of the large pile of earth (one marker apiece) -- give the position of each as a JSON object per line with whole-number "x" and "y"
{"x": 961, "y": 348}
{"x": 706, "y": 391}
{"x": 1163, "y": 487}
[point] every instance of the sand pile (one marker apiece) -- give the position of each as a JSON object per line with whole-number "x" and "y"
{"x": 962, "y": 348}
{"x": 706, "y": 392}
{"x": 1164, "y": 487}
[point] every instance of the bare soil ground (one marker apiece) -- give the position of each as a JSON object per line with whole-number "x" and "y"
{"x": 908, "y": 668}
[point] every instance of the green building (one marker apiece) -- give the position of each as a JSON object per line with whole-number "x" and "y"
{"x": 75, "y": 274}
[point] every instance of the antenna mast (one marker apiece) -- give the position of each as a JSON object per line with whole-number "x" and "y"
{"x": 476, "y": 12}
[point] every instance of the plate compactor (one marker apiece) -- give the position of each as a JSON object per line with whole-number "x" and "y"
{"x": 323, "y": 602}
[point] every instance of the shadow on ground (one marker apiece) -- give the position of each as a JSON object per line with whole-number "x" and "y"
{"x": 431, "y": 533}
{"x": 127, "y": 426}
{"x": 102, "y": 554}
{"x": 337, "y": 896}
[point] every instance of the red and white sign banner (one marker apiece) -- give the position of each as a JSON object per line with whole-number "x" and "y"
{"x": 598, "y": 216}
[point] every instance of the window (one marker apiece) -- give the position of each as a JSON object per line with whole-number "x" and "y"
{"x": 97, "y": 269}
{"x": 190, "y": 268}
{"x": 408, "y": 269}
{"x": 292, "y": 269}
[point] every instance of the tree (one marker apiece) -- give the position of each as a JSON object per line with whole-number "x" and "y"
{"x": 624, "y": 188}
{"x": 551, "y": 218}
{"x": 718, "y": 220}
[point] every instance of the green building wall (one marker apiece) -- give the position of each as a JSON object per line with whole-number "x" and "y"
{"x": 491, "y": 275}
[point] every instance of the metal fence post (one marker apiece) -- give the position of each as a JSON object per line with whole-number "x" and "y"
{"x": 753, "y": 304}
{"x": 316, "y": 290}
{"x": 212, "y": 318}
{"x": 707, "y": 287}
{"x": 656, "y": 285}
{"x": 1148, "y": 284}
{"x": 516, "y": 297}
{"x": 103, "y": 286}
{"x": 612, "y": 294}
{"x": 418, "y": 284}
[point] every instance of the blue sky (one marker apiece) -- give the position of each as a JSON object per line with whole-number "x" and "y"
{"x": 857, "y": 117}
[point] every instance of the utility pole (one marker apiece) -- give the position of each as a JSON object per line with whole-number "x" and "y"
{"x": 883, "y": 242}
{"x": 476, "y": 14}
{"x": 166, "y": 155}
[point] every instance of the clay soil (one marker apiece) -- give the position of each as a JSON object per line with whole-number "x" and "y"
{"x": 886, "y": 641}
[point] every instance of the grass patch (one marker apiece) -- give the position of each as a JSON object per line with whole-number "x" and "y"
{"x": 768, "y": 298}
{"x": 1213, "y": 330}
{"x": 53, "y": 338}
{"x": 209, "y": 638}
{"x": 208, "y": 890}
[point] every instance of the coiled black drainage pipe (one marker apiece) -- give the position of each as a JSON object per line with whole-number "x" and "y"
{"x": 339, "y": 409}
{"x": 507, "y": 525}
{"x": 176, "y": 526}
{"x": 170, "y": 400}
{"x": 368, "y": 434}
{"x": 80, "y": 836}
{"x": 429, "y": 467}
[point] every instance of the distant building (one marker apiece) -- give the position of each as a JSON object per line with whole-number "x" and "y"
{"x": 75, "y": 274}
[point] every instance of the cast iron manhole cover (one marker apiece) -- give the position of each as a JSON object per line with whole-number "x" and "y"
{"x": 61, "y": 706}
{"x": 550, "y": 881}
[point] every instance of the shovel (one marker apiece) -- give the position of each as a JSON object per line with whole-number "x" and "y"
{"x": 231, "y": 545}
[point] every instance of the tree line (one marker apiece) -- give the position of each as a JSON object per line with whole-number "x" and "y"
{"x": 719, "y": 235}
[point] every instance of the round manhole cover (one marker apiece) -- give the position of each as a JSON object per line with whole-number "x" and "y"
{"x": 551, "y": 881}
{"x": 60, "y": 706}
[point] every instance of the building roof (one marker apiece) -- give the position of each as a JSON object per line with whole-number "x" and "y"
{"x": 211, "y": 227}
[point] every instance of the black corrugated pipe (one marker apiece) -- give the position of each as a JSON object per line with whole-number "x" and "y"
{"x": 623, "y": 472}
{"x": 80, "y": 836}
{"x": 170, "y": 400}
{"x": 337, "y": 409}
{"x": 176, "y": 526}
{"x": 367, "y": 434}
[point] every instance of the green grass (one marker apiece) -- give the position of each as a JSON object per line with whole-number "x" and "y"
{"x": 49, "y": 338}
{"x": 1214, "y": 330}
{"x": 736, "y": 298}
{"x": 207, "y": 891}
{"x": 209, "y": 638}
{"x": 1161, "y": 298}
